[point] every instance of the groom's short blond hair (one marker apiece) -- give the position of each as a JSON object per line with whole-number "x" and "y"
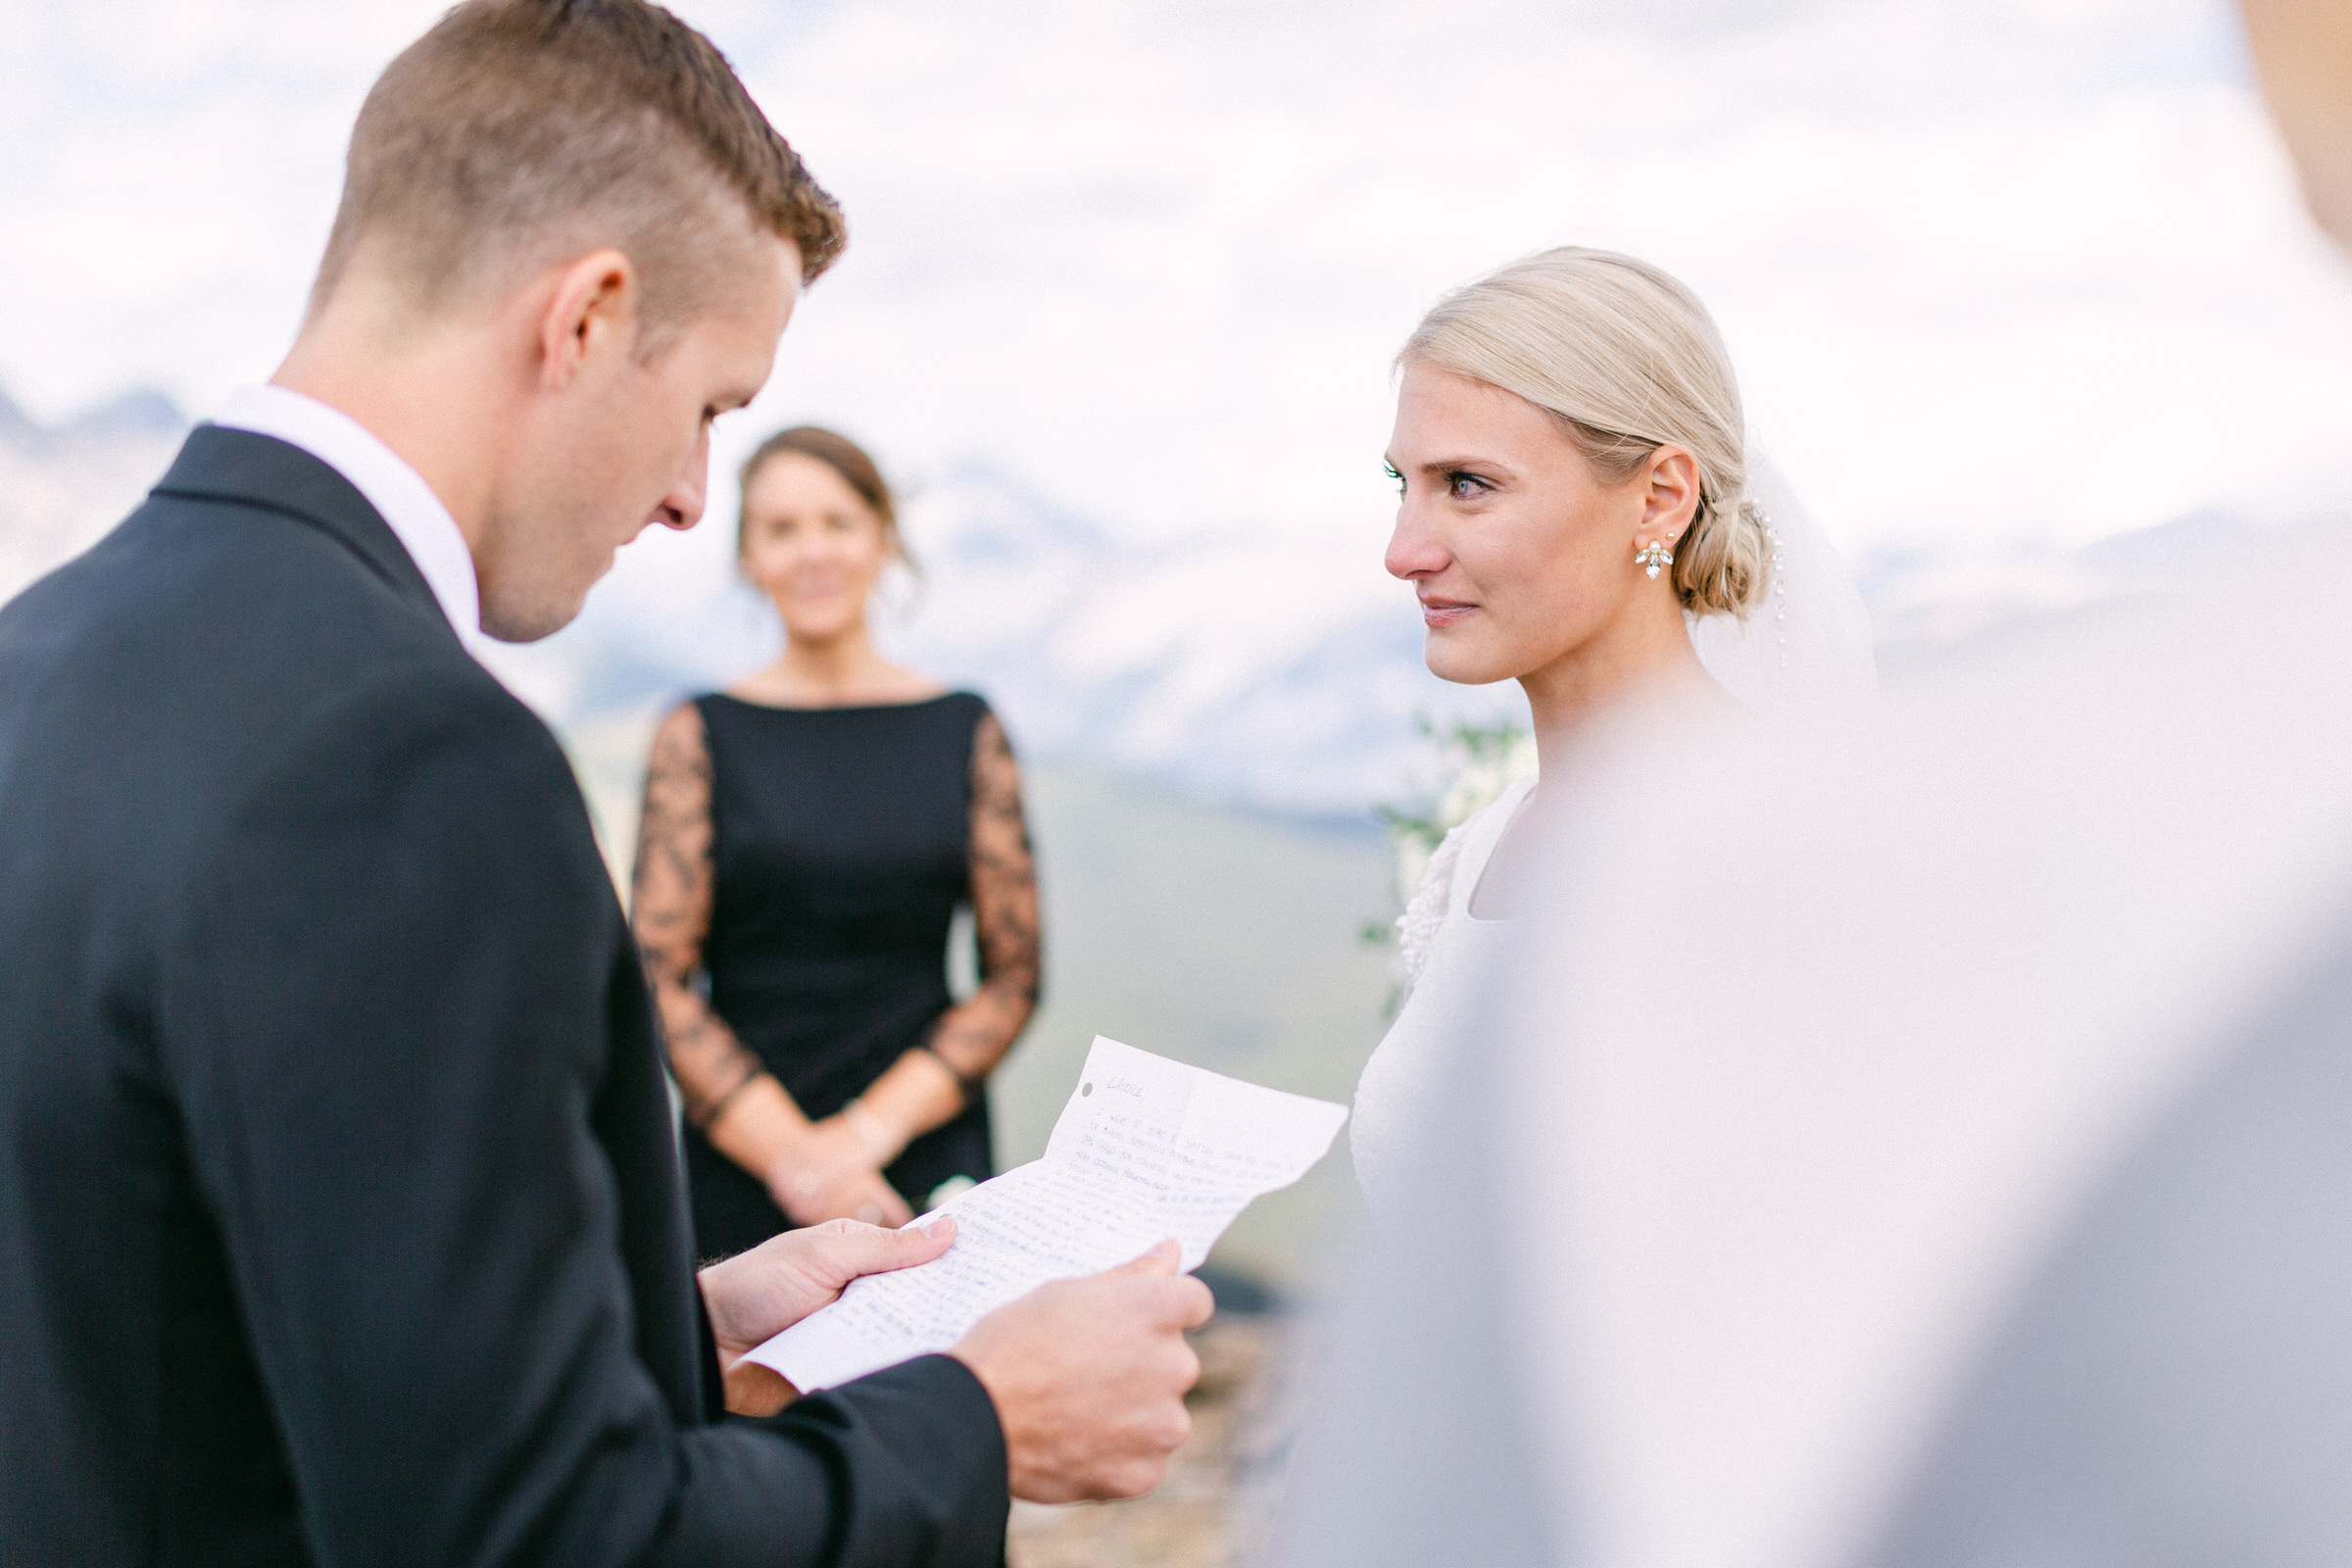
{"x": 518, "y": 132}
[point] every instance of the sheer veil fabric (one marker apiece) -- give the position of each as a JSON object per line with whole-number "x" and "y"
{"x": 1911, "y": 1137}
{"x": 1810, "y": 647}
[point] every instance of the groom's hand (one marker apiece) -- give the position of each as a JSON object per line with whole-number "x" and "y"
{"x": 1089, "y": 1378}
{"x": 756, "y": 1295}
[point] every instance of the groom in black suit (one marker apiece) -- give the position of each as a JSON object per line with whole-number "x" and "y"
{"x": 339, "y": 1211}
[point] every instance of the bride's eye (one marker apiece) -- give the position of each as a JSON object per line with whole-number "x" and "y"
{"x": 1390, "y": 468}
{"x": 1466, "y": 486}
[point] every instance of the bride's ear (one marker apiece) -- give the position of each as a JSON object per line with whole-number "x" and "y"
{"x": 1670, "y": 492}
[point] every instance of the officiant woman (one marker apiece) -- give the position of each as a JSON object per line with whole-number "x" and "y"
{"x": 806, "y": 839}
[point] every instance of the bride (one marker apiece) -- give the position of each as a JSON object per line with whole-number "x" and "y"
{"x": 1579, "y": 512}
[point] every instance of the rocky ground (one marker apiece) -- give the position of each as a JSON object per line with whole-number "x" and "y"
{"x": 1212, "y": 1511}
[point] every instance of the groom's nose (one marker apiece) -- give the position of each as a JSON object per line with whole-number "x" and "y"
{"x": 681, "y": 506}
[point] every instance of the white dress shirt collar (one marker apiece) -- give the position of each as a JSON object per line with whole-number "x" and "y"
{"x": 398, "y": 492}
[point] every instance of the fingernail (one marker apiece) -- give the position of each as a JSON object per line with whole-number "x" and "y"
{"x": 945, "y": 1225}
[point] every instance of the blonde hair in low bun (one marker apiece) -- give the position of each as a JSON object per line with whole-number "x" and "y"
{"x": 1627, "y": 360}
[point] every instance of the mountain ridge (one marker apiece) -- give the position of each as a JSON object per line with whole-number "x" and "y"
{"x": 1249, "y": 667}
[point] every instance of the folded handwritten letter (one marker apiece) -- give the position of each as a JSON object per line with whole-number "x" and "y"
{"x": 1146, "y": 1149}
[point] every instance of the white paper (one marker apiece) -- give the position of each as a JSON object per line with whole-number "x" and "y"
{"x": 1146, "y": 1149}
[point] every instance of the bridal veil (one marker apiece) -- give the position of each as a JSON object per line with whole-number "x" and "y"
{"x": 1809, "y": 645}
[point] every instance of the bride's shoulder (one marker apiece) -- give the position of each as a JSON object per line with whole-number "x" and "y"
{"x": 1471, "y": 837}
{"x": 1503, "y": 804}
{"x": 1474, "y": 836}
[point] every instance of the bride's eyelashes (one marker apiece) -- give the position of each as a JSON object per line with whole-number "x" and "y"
{"x": 1461, "y": 483}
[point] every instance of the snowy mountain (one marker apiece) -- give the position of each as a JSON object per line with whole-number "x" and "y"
{"x": 1921, "y": 602}
{"x": 1279, "y": 674}
{"x": 1263, "y": 669}
{"x": 62, "y": 488}
{"x": 1284, "y": 673}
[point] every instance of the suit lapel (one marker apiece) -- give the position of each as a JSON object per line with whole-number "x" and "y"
{"x": 258, "y": 470}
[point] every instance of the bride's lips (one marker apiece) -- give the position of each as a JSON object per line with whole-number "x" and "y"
{"x": 1436, "y": 612}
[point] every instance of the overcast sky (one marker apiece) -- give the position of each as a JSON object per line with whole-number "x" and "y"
{"x": 1991, "y": 269}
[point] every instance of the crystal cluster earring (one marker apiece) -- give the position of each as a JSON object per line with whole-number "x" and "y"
{"x": 1653, "y": 557}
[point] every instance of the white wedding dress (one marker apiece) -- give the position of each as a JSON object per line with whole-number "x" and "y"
{"x": 1808, "y": 647}
{"x": 1447, "y": 953}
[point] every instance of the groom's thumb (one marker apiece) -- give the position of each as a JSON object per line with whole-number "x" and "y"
{"x": 856, "y": 1248}
{"x": 1162, "y": 1259}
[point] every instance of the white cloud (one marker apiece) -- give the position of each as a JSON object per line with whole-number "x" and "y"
{"x": 1991, "y": 270}
{"x": 1992, "y": 267}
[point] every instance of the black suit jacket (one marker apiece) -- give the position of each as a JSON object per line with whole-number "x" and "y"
{"x": 340, "y": 1217}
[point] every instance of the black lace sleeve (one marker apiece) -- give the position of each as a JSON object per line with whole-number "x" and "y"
{"x": 670, "y": 908}
{"x": 974, "y": 1035}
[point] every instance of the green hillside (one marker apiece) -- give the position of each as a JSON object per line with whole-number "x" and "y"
{"x": 1221, "y": 938}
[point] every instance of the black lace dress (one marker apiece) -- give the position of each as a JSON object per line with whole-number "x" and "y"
{"x": 841, "y": 847}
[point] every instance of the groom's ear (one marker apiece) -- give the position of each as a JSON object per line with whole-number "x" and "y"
{"x": 590, "y": 313}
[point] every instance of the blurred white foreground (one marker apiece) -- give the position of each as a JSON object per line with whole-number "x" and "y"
{"x": 1922, "y": 1140}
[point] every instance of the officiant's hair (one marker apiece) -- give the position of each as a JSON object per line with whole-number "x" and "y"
{"x": 1625, "y": 359}
{"x": 516, "y": 133}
